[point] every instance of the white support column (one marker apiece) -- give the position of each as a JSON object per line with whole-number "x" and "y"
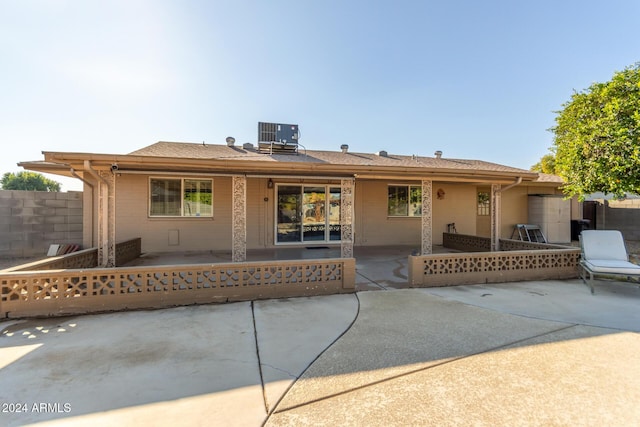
{"x": 111, "y": 246}
{"x": 103, "y": 222}
{"x": 347, "y": 189}
{"x": 239, "y": 219}
{"x": 427, "y": 226}
{"x": 496, "y": 196}
{"x": 106, "y": 219}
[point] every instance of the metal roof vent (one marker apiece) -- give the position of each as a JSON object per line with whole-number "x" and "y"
{"x": 247, "y": 146}
{"x": 344, "y": 148}
{"x": 438, "y": 154}
{"x": 230, "y": 141}
{"x": 382, "y": 153}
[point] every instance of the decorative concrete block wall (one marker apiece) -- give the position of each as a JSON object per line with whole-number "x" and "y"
{"x": 31, "y": 221}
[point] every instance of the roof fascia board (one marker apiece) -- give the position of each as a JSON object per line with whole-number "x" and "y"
{"x": 104, "y": 161}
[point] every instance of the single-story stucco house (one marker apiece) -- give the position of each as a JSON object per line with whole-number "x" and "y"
{"x": 179, "y": 196}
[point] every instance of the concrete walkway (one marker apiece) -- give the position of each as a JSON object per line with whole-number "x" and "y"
{"x": 532, "y": 353}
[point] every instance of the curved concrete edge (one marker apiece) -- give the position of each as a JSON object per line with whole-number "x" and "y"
{"x": 291, "y": 333}
{"x": 412, "y": 358}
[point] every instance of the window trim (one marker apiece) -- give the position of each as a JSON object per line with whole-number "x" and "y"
{"x": 409, "y": 187}
{"x": 182, "y": 201}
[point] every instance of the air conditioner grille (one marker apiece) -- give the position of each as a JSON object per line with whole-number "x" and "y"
{"x": 277, "y": 138}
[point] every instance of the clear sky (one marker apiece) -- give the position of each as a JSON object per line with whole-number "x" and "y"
{"x": 474, "y": 79}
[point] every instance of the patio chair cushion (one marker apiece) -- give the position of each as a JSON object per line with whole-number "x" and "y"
{"x": 612, "y": 266}
{"x": 603, "y": 245}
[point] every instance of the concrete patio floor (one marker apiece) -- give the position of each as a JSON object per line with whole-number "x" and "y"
{"x": 528, "y": 353}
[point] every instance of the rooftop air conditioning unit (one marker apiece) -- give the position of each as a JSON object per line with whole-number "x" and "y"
{"x": 278, "y": 138}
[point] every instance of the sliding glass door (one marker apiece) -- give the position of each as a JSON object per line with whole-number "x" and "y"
{"x": 288, "y": 226}
{"x": 334, "y": 214}
{"x": 314, "y": 219}
{"x": 307, "y": 214}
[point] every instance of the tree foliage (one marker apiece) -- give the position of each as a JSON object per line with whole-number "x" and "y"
{"x": 597, "y": 137}
{"x": 30, "y": 181}
{"x": 547, "y": 164}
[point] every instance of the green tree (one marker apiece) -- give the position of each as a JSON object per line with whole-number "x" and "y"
{"x": 597, "y": 137}
{"x": 30, "y": 181}
{"x": 547, "y": 164}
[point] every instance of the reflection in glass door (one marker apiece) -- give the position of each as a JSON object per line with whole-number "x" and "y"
{"x": 288, "y": 226}
{"x": 313, "y": 214}
{"x": 308, "y": 214}
{"x": 334, "y": 214}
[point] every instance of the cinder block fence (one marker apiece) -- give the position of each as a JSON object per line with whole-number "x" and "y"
{"x": 30, "y": 221}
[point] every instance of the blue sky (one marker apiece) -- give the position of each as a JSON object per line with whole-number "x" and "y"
{"x": 477, "y": 80}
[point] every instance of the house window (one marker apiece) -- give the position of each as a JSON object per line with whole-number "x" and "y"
{"x": 181, "y": 197}
{"x": 484, "y": 204}
{"x": 404, "y": 200}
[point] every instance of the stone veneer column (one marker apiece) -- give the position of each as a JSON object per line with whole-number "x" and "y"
{"x": 427, "y": 226}
{"x": 347, "y": 189}
{"x": 239, "y": 219}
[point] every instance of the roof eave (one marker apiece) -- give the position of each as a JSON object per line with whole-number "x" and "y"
{"x": 138, "y": 162}
{"x": 47, "y": 167}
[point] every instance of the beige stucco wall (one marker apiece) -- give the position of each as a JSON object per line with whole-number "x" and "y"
{"x": 90, "y": 212}
{"x": 181, "y": 234}
{"x": 458, "y": 205}
{"x": 89, "y": 208}
{"x": 260, "y": 213}
{"x": 171, "y": 234}
{"x": 514, "y": 207}
{"x": 372, "y": 225}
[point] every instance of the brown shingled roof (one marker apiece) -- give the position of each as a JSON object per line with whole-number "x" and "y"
{"x": 224, "y": 152}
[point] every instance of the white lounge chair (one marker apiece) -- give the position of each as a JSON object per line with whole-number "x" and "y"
{"x": 604, "y": 254}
